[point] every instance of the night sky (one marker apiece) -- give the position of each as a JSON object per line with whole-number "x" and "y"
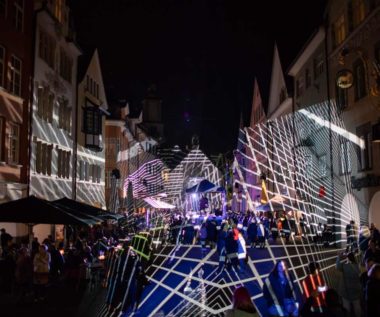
{"x": 202, "y": 55}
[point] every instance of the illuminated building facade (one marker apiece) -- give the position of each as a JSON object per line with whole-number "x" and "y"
{"x": 90, "y": 131}
{"x": 195, "y": 167}
{"x": 116, "y": 140}
{"x": 52, "y": 172}
{"x": 353, "y": 41}
{"x": 16, "y": 33}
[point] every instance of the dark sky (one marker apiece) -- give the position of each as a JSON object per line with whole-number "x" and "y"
{"x": 202, "y": 55}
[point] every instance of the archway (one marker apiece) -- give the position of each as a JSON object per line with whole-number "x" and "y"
{"x": 374, "y": 209}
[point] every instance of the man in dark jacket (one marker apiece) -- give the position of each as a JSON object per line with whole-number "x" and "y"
{"x": 6, "y": 238}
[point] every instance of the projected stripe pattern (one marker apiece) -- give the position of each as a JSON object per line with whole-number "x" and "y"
{"x": 289, "y": 150}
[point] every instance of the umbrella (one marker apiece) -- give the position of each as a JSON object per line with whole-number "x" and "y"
{"x": 204, "y": 186}
{"x": 84, "y": 210}
{"x": 34, "y": 210}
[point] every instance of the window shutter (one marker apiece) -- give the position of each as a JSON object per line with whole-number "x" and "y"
{"x": 49, "y": 156}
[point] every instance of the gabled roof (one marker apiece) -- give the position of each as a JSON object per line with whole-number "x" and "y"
{"x": 277, "y": 83}
{"x": 84, "y": 66}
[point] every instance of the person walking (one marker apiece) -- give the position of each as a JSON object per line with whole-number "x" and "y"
{"x": 279, "y": 292}
{"x": 349, "y": 284}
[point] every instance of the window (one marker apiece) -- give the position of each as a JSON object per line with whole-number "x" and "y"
{"x": 63, "y": 163}
{"x": 86, "y": 167}
{"x": 92, "y": 126}
{"x": 45, "y": 104}
{"x": 87, "y": 83}
{"x": 345, "y": 159}
{"x": 65, "y": 66}
{"x": 364, "y": 132}
{"x": 358, "y": 12}
{"x": 299, "y": 86}
{"x": 15, "y": 76}
{"x": 18, "y": 14}
{"x": 323, "y": 165}
{"x": 50, "y": 107}
{"x": 3, "y": 7}
{"x": 13, "y": 146}
{"x": 46, "y": 49}
{"x": 92, "y": 121}
{"x": 341, "y": 97}
{"x": 360, "y": 81}
{"x": 2, "y": 65}
{"x": 307, "y": 78}
{"x": 43, "y": 158}
{"x": 339, "y": 30}
{"x": 64, "y": 115}
{"x": 81, "y": 170}
{"x": 318, "y": 66}
{"x": 59, "y": 10}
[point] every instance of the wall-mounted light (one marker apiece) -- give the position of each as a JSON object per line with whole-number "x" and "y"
{"x": 344, "y": 79}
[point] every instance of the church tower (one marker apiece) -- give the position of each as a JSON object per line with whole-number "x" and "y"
{"x": 152, "y": 113}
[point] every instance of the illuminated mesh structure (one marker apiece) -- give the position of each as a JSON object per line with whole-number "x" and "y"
{"x": 306, "y": 157}
{"x": 196, "y": 165}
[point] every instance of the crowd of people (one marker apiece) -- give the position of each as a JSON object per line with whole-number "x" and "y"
{"x": 29, "y": 269}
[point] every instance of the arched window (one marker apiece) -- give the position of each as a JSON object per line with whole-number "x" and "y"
{"x": 360, "y": 79}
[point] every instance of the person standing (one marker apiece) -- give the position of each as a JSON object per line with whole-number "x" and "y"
{"x": 373, "y": 292}
{"x": 242, "y": 305}
{"x": 41, "y": 267}
{"x": 242, "y": 252}
{"x": 6, "y": 240}
{"x": 23, "y": 274}
{"x": 314, "y": 288}
{"x": 349, "y": 285}
{"x": 221, "y": 246}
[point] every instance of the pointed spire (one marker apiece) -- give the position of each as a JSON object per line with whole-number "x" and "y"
{"x": 277, "y": 83}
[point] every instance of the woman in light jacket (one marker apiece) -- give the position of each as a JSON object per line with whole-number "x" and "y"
{"x": 41, "y": 268}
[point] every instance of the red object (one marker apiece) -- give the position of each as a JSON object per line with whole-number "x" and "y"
{"x": 236, "y": 234}
{"x": 310, "y": 284}
{"x": 322, "y": 192}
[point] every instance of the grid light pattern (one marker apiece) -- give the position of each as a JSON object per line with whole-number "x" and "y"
{"x": 195, "y": 165}
{"x": 185, "y": 282}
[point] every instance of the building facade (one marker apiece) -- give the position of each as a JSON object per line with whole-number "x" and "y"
{"x": 16, "y": 66}
{"x": 90, "y": 133}
{"x": 353, "y": 39}
{"x": 54, "y": 105}
{"x": 116, "y": 141}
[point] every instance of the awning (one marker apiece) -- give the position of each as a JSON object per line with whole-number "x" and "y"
{"x": 78, "y": 208}
{"x": 158, "y": 204}
{"x": 34, "y": 210}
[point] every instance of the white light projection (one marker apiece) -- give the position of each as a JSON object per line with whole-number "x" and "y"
{"x": 289, "y": 151}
